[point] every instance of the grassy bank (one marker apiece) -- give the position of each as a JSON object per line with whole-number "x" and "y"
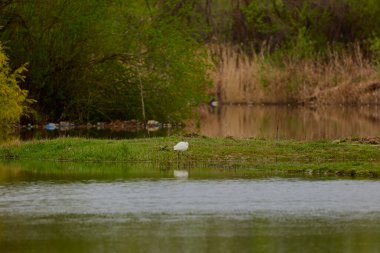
{"x": 343, "y": 158}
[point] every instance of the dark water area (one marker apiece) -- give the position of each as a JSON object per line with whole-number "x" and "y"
{"x": 245, "y": 121}
{"x": 76, "y": 207}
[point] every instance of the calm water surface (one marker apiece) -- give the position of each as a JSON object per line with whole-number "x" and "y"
{"x": 289, "y": 122}
{"x": 50, "y": 208}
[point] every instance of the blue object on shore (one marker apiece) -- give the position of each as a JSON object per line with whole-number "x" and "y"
{"x": 50, "y": 126}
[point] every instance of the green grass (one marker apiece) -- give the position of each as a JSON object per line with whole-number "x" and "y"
{"x": 346, "y": 158}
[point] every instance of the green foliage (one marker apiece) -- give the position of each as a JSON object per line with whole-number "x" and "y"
{"x": 363, "y": 17}
{"x": 12, "y": 99}
{"x": 307, "y": 28}
{"x": 375, "y": 49}
{"x": 57, "y": 39}
{"x": 296, "y": 27}
{"x": 88, "y": 65}
{"x": 303, "y": 45}
{"x": 169, "y": 61}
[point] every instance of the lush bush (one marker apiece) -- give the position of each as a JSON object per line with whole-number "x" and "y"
{"x": 12, "y": 98}
{"x": 91, "y": 60}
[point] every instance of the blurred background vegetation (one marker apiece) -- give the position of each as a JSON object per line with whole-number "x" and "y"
{"x": 89, "y": 60}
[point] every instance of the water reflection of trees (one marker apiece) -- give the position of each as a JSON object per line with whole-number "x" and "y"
{"x": 291, "y": 122}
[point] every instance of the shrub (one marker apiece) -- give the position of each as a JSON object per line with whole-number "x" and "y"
{"x": 13, "y": 99}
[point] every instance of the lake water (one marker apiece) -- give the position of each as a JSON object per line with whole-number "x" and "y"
{"x": 75, "y": 207}
{"x": 58, "y": 207}
{"x": 289, "y": 122}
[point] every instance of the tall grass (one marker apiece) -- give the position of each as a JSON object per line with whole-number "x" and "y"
{"x": 335, "y": 77}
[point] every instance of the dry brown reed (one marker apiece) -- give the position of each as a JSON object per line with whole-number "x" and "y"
{"x": 347, "y": 77}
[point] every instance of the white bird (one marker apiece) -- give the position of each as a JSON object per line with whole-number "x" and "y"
{"x": 181, "y": 146}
